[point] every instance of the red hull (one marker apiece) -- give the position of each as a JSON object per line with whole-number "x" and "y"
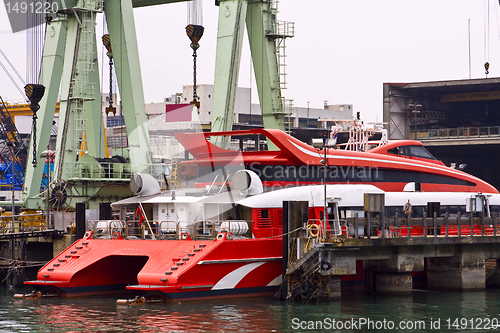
{"x": 169, "y": 268}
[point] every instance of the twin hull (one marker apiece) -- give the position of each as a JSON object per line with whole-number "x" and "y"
{"x": 167, "y": 269}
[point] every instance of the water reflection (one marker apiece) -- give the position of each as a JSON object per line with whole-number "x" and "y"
{"x": 104, "y": 315}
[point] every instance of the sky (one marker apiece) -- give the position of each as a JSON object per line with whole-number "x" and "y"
{"x": 343, "y": 50}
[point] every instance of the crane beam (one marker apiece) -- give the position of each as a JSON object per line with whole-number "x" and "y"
{"x": 260, "y": 19}
{"x": 68, "y": 103}
{"x": 94, "y": 131}
{"x": 50, "y": 76}
{"x": 121, "y": 25}
{"x": 70, "y": 62}
{"x": 145, "y": 3}
{"x": 260, "y": 25}
{"x": 232, "y": 14}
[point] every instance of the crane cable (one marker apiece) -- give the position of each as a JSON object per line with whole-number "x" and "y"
{"x": 487, "y": 37}
{"x": 34, "y": 91}
{"x": 10, "y": 76}
{"x": 194, "y": 31}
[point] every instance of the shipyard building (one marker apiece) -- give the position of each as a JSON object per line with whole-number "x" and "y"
{"x": 458, "y": 121}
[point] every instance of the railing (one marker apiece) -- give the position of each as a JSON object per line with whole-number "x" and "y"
{"x": 459, "y": 132}
{"x": 109, "y": 171}
{"x": 316, "y": 229}
{"x": 22, "y": 223}
{"x": 173, "y": 230}
{"x": 396, "y": 227}
{"x": 113, "y": 171}
{"x": 282, "y": 29}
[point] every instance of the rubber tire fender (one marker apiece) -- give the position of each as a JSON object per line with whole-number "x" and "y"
{"x": 325, "y": 265}
{"x": 14, "y": 280}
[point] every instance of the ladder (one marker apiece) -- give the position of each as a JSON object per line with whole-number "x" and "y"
{"x": 280, "y": 31}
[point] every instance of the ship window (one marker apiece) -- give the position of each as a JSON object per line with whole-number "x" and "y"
{"x": 415, "y": 151}
{"x": 209, "y": 174}
{"x": 378, "y": 175}
{"x": 351, "y": 174}
{"x": 453, "y": 211}
{"x": 495, "y": 209}
{"x": 332, "y": 210}
{"x": 419, "y": 151}
{"x": 315, "y": 173}
{"x": 375, "y": 137}
{"x": 364, "y": 174}
{"x": 264, "y": 213}
{"x": 394, "y": 151}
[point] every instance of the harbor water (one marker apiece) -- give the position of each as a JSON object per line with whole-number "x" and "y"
{"x": 422, "y": 311}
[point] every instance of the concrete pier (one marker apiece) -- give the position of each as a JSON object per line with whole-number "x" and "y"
{"x": 393, "y": 275}
{"x": 391, "y": 261}
{"x": 389, "y": 283}
{"x": 463, "y": 271}
{"x": 25, "y": 256}
{"x": 492, "y": 273}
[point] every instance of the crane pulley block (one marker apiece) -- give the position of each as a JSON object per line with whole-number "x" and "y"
{"x": 107, "y": 43}
{"x": 195, "y": 32}
{"x": 34, "y": 92}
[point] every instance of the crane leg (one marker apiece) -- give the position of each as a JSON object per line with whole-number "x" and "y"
{"x": 120, "y": 22}
{"x": 232, "y": 15}
{"x": 263, "y": 48}
{"x": 50, "y": 77}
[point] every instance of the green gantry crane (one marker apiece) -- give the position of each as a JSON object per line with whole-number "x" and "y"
{"x": 69, "y": 68}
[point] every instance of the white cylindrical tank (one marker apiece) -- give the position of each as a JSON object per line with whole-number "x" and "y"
{"x": 237, "y": 228}
{"x": 108, "y": 227}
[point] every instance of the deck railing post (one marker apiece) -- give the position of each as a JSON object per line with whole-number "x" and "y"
{"x": 494, "y": 224}
{"x": 435, "y": 224}
{"x": 471, "y": 221}
{"x": 459, "y": 224}
{"x": 384, "y": 232}
{"x": 396, "y": 217}
{"x": 482, "y": 224}
{"x": 424, "y": 221}
{"x": 409, "y": 225}
{"x": 356, "y": 232}
{"x": 369, "y": 232}
{"x": 446, "y": 215}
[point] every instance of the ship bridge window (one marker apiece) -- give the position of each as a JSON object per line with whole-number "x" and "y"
{"x": 217, "y": 173}
{"x": 412, "y": 151}
{"x": 495, "y": 209}
{"x": 378, "y": 175}
{"x": 375, "y": 137}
